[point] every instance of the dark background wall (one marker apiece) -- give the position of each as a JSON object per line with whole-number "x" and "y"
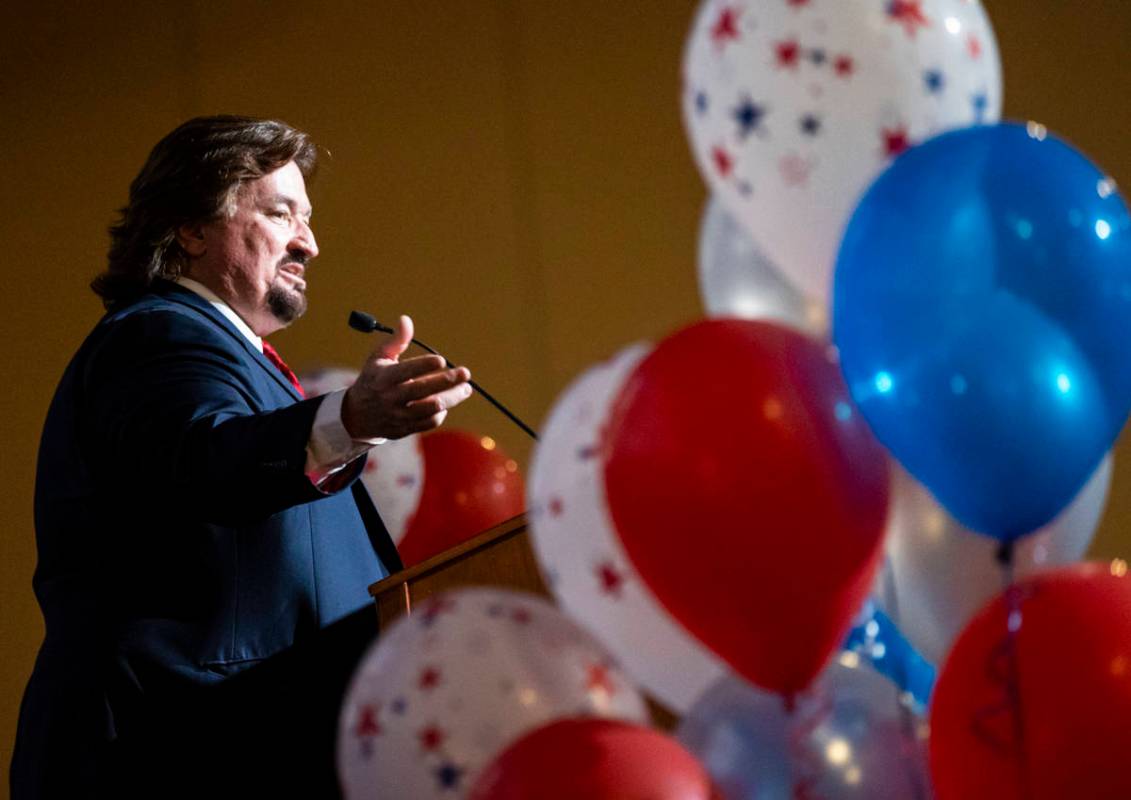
{"x": 514, "y": 174}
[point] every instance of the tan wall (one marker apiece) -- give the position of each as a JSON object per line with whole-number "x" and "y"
{"x": 514, "y": 174}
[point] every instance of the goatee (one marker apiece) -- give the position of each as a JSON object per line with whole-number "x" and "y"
{"x": 286, "y": 304}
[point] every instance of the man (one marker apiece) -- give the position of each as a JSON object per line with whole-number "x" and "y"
{"x": 194, "y": 515}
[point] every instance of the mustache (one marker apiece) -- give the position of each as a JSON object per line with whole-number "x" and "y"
{"x": 302, "y": 259}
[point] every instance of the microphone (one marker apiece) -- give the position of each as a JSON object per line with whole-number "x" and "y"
{"x": 367, "y": 323}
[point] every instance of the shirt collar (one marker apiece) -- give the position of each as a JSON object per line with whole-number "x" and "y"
{"x": 199, "y": 288}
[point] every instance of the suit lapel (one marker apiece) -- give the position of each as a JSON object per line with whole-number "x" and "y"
{"x": 186, "y": 297}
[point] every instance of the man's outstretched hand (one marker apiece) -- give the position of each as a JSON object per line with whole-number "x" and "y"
{"x": 393, "y": 398}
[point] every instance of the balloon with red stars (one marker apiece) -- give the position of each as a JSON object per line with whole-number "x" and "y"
{"x": 582, "y": 558}
{"x": 713, "y": 503}
{"x": 452, "y": 684}
{"x": 792, "y": 107}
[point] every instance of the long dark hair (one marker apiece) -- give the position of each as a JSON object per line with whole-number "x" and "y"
{"x": 191, "y": 175}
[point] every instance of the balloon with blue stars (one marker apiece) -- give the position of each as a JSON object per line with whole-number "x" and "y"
{"x": 982, "y": 307}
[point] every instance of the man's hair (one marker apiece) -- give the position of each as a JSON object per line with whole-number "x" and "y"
{"x": 192, "y": 175}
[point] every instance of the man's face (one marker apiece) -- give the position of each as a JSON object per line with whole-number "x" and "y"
{"x": 255, "y": 259}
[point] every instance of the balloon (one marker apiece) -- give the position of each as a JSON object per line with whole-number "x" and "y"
{"x": 982, "y": 324}
{"x": 848, "y": 737}
{"x": 939, "y": 574}
{"x": 595, "y": 759}
{"x": 470, "y": 485}
{"x": 879, "y": 642}
{"x": 581, "y": 557}
{"x": 393, "y": 473}
{"x": 737, "y": 280}
{"x": 792, "y": 108}
{"x": 1033, "y": 702}
{"x": 324, "y": 380}
{"x": 748, "y": 494}
{"x": 442, "y": 691}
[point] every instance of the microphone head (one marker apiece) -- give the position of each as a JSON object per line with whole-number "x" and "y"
{"x": 367, "y": 323}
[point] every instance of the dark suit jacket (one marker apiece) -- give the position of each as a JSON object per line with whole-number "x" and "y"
{"x": 179, "y": 540}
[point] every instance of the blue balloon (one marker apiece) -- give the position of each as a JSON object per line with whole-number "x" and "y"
{"x": 877, "y": 640}
{"x": 981, "y": 307}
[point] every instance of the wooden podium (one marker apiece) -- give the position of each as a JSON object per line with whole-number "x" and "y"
{"x": 500, "y": 556}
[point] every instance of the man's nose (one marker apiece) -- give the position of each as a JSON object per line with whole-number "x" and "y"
{"x": 304, "y": 240}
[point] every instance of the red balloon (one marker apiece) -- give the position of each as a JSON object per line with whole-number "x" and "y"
{"x": 470, "y": 485}
{"x": 749, "y": 494}
{"x": 595, "y": 759}
{"x": 1067, "y": 669}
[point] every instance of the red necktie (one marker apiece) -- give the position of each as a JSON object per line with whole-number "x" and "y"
{"x": 274, "y": 357}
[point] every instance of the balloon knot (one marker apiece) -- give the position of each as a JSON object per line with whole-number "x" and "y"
{"x": 1004, "y": 554}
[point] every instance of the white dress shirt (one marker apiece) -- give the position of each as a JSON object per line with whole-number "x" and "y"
{"x": 330, "y": 448}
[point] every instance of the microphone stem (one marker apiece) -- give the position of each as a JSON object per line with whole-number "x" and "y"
{"x": 485, "y": 394}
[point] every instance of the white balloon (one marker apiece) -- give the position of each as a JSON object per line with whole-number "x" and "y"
{"x": 393, "y": 473}
{"x": 737, "y": 280}
{"x": 847, "y": 738}
{"x": 793, "y": 107}
{"x": 443, "y": 691}
{"x": 581, "y": 556}
{"x": 939, "y": 574}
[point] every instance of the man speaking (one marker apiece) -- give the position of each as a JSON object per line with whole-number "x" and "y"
{"x": 196, "y": 516}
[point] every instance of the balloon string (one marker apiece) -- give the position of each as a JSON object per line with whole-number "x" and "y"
{"x": 807, "y": 766}
{"x": 906, "y": 716}
{"x": 1013, "y": 622}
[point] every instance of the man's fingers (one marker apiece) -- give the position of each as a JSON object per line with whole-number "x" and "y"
{"x": 440, "y": 401}
{"x": 390, "y": 374}
{"x": 433, "y": 383}
{"x": 392, "y": 347}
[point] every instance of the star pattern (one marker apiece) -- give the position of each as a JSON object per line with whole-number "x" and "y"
{"x": 844, "y": 66}
{"x": 979, "y": 103}
{"x": 725, "y": 28}
{"x": 817, "y": 57}
{"x": 787, "y": 53}
{"x": 587, "y": 452}
{"x": 748, "y": 115}
{"x": 895, "y": 141}
{"x": 367, "y": 723}
{"x": 723, "y": 161}
{"x": 794, "y": 169}
{"x": 934, "y": 81}
{"x": 701, "y": 103}
{"x": 434, "y": 609}
{"x": 555, "y": 506}
{"x": 448, "y": 775}
{"x": 810, "y": 124}
{"x": 597, "y": 679}
{"x": 431, "y": 738}
{"x": 909, "y": 14}
{"x": 429, "y": 679}
{"x": 610, "y": 579}
{"x": 974, "y": 46}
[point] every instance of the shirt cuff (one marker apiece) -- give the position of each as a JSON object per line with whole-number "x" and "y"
{"x": 331, "y": 448}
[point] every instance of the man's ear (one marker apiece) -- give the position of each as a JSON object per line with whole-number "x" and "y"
{"x": 190, "y": 237}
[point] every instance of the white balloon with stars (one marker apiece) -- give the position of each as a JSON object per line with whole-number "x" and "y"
{"x": 580, "y": 553}
{"x": 445, "y": 690}
{"x": 793, "y": 107}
